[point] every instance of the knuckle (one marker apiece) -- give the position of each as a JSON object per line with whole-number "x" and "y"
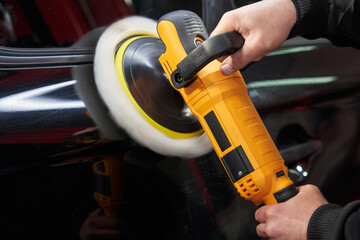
{"x": 272, "y": 230}
{"x": 224, "y": 19}
{"x": 227, "y": 15}
{"x": 261, "y": 230}
{"x": 271, "y": 213}
{"x": 229, "y": 18}
{"x": 311, "y": 188}
{"x": 258, "y": 215}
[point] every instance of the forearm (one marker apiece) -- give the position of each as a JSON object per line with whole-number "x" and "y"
{"x": 336, "y": 20}
{"x": 311, "y": 18}
{"x": 332, "y": 221}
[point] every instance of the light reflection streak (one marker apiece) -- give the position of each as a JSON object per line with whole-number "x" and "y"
{"x": 292, "y": 50}
{"x": 291, "y": 82}
{"x": 33, "y": 100}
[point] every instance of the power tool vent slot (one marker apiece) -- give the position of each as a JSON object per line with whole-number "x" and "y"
{"x": 248, "y": 188}
{"x": 193, "y": 25}
{"x": 167, "y": 67}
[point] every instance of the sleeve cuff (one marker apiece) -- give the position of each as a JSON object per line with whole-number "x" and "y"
{"x": 322, "y": 222}
{"x": 311, "y": 19}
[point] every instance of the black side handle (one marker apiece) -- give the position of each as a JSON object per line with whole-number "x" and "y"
{"x": 209, "y": 50}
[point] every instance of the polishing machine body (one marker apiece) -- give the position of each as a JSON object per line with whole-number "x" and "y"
{"x": 226, "y": 113}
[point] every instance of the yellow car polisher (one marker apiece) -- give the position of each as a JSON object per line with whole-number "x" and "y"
{"x": 223, "y": 107}
{"x": 147, "y": 100}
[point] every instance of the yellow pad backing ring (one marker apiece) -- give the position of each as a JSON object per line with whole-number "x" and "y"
{"x": 122, "y": 109}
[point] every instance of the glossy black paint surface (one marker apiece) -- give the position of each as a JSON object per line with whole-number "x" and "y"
{"x": 40, "y": 113}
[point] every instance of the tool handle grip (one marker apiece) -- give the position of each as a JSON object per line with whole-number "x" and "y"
{"x": 207, "y": 51}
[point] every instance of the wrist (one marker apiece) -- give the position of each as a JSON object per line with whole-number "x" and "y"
{"x": 322, "y": 221}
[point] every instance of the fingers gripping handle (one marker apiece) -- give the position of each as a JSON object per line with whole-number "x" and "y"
{"x": 209, "y": 50}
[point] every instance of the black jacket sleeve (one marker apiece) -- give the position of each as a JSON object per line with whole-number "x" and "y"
{"x": 331, "y": 221}
{"x": 336, "y": 20}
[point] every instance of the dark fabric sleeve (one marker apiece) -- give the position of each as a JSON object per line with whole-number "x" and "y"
{"x": 312, "y": 17}
{"x": 336, "y": 20}
{"x": 322, "y": 222}
{"x": 352, "y": 226}
{"x": 331, "y": 221}
{"x": 343, "y": 27}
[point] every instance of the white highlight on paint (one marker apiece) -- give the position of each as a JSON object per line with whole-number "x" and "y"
{"x": 34, "y": 100}
{"x": 291, "y": 82}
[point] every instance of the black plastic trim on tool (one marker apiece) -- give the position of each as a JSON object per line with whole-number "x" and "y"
{"x": 285, "y": 194}
{"x": 237, "y": 164}
{"x": 217, "y": 131}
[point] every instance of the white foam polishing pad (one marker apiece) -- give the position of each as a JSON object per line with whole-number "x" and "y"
{"x": 123, "y": 109}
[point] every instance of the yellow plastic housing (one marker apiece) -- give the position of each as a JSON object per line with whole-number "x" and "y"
{"x": 227, "y": 98}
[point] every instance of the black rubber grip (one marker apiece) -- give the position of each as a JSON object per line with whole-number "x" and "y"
{"x": 211, "y": 49}
{"x": 286, "y": 193}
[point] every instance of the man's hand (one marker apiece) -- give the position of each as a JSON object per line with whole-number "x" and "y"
{"x": 265, "y": 25}
{"x": 289, "y": 220}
